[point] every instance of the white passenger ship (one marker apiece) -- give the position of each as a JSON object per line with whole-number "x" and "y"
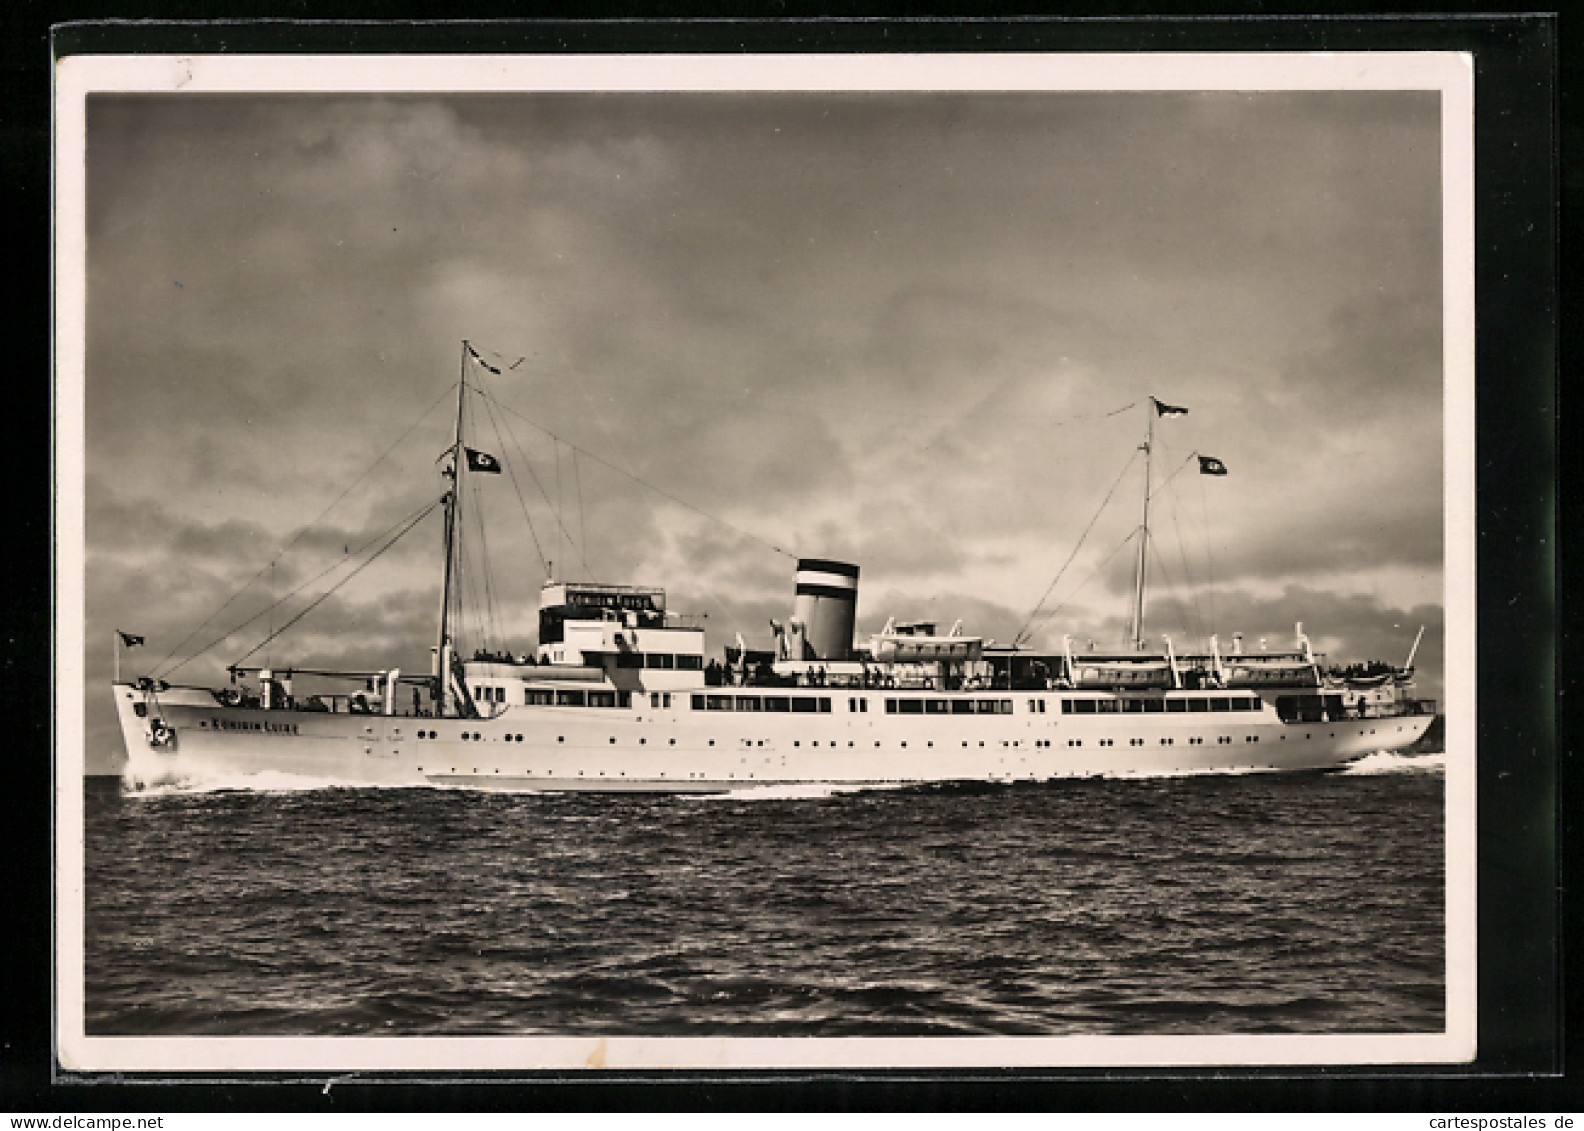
{"x": 618, "y": 696}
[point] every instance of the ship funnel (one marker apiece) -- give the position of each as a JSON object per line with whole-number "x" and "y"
{"x": 827, "y": 603}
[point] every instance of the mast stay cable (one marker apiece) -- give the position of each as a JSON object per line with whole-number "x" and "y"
{"x": 644, "y": 482}
{"x": 158, "y": 673}
{"x": 491, "y": 399}
{"x": 397, "y": 537}
{"x": 312, "y": 580}
{"x": 1022, "y": 632}
{"x": 1120, "y": 546}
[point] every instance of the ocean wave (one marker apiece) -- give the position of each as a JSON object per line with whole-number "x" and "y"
{"x": 1387, "y": 762}
{"x": 140, "y": 779}
{"x": 797, "y": 791}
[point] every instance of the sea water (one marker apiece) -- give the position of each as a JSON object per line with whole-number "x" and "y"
{"x": 1225, "y": 904}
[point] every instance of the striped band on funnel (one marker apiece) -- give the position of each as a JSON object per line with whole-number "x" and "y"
{"x": 826, "y": 605}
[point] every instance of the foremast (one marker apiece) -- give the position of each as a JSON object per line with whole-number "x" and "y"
{"x": 1140, "y": 571}
{"x": 451, "y": 569}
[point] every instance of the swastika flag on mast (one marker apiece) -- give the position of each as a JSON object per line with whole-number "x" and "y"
{"x": 482, "y": 461}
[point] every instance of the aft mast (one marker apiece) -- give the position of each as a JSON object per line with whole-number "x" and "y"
{"x": 1141, "y": 574}
{"x": 1143, "y": 549}
{"x": 453, "y": 512}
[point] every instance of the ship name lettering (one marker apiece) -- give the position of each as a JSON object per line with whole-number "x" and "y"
{"x": 268, "y": 728}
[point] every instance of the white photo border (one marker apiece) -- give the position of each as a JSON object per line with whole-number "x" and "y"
{"x": 79, "y": 76}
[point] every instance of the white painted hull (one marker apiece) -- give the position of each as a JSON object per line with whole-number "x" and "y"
{"x": 682, "y": 750}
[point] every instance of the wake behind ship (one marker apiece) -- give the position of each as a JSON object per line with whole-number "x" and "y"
{"x": 618, "y": 694}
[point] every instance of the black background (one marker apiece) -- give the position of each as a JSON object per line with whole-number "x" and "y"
{"x": 1527, "y": 162}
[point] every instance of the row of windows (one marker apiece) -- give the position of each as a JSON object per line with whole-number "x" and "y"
{"x": 949, "y": 706}
{"x": 1159, "y": 706}
{"x": 544, "y": 697}
{"x": 797, "y": 704}
{"x": 664, "y": 661}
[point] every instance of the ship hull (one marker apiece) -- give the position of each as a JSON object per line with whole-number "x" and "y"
{"x": 680, "y": 750}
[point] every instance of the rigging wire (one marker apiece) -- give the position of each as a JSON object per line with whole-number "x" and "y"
{"x": 1021, "y": 633}
{"x": 1172, "y": 588}
{"x": 1182, "y": 556}
{"x": 577, "y": 478}
{"x": 490, "y": 611}
{"x": 1090, "y": 576}
{"x": 560, "y": 507}
{"x": 1192, "y": 620}
{"x": 312, "y": 580}
{"x": 1204, "y": 526}
{"x": 645, "y": 483}
{"x": 511, "y": 471}
{"x": 890, "y": 415}
{"x": 158, "y": 673}
{"x": 397, "y": 537}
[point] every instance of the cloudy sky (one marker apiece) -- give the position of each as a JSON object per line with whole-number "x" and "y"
{"x": 914, "y": 331}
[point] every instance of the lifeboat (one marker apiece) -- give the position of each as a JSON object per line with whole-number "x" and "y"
{"x": 919, "y": 643}
{"x": 900, "y": 648}
{"x": 1268, "y": 671}
{"x": 1106, "y": 671}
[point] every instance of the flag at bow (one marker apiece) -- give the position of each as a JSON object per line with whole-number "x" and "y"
{"x": 482, "y": 461}
{"x": 128, "y": 639}
{"x": 1209, "y": 465}
{"x": 1163, "y": 409}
